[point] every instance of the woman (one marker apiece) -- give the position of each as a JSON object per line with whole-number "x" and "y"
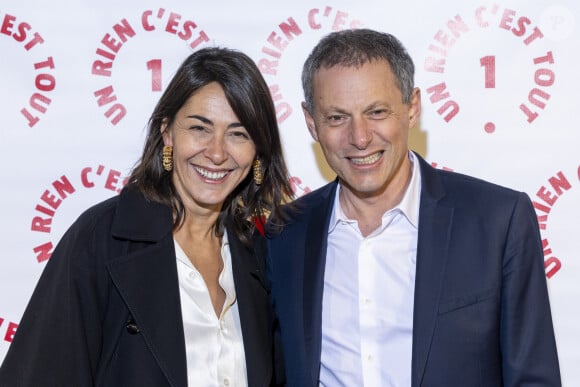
{"x": 164, "y": 284}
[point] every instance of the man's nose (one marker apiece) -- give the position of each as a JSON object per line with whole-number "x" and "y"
{"x": 360, "y": 133}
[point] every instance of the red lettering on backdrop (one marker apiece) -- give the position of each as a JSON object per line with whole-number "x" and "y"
{"x": 172, "y": 23}
{"x": 436, "y": 165}
{"x": 21, "y": 34}
{"x": 438, "y": 93}
{"x": 43, "y": 252}
{"x": 278, "y": 44}
{"x": 9, "y": 336}
{"x": 485, "y": 17}
{"x": 10, "y": 330}
{"x": 62, "y": 188}
{"x": 278, "y": 41}
{"x": 112, "y": 43}
{"x": 106, "y": 96}
{"x": 112, "y": 180}
{"x": 7, "y": 25}
{"x": 543, "y": 77}
{"x": 551, "y": 264}
{"x": 546, "y": 198}
{"x": 283, "y": 108}
{"x": 52, "y": 198}
{"x": 297, "y": 188}
{"x": 559, "y": 183}
{"x": 45, "y": 82}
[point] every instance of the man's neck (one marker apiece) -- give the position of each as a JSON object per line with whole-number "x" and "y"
{"x": 368, "y": 209}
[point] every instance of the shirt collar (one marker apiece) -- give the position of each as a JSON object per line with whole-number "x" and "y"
{"x": 408, "y": 206}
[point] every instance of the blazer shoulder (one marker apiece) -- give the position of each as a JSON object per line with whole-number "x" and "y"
{"x": 300, "y": 210}
{"x": 455, "y": 188}
{"x": 314, "y": 199}
{"x": 478, "y": 194}
{"x": 474, "y": 184}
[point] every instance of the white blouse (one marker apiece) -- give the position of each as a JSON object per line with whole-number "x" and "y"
{"x": 214, "y": 346}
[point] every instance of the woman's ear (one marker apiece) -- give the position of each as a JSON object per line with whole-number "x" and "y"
{"x": 166, "y": 132}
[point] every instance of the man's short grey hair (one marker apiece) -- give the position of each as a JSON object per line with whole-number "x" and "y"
{"x": 354, "y": 48}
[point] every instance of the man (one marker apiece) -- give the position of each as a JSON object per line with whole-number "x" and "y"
{"x": 398, "y": 274}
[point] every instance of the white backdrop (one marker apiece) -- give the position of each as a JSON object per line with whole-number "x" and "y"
{"x": 80, "y": 78}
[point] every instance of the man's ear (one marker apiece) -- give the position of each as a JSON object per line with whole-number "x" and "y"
{"x": 309, "y": 122}
{"x": 415, "y": 107}
{"x": 166, "y": 133}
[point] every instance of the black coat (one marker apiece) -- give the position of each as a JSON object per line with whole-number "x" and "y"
{"x": 106, "y": 310}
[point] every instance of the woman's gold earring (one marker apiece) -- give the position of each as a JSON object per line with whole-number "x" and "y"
{"x": 167, "y": 159}
{"x": 257, "y": 169}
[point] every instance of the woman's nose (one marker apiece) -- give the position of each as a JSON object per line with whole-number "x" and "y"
{"x": 216, "y": 150}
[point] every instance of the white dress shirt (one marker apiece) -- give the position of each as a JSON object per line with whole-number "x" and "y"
{"x": 214, "y": 346}
{"x": 369, "y": 285}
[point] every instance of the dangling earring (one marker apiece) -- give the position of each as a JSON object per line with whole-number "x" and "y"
{"x": 167, "y": 159}
{"x": 257, "y": 169}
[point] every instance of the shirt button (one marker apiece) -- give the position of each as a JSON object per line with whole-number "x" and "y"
{"x": 226, "y": 382}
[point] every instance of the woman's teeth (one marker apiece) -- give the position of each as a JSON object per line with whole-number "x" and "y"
{"x": 211, "y": 175}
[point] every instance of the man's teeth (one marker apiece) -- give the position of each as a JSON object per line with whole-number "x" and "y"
{"x": 211, "y": 175}
{"x": 366, "y": 160}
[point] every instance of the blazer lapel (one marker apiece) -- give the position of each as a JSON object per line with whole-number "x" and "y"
{"x": 435, "y": 221}
{"x": 147, "y": 281}
{"x": 253, "y": 303}
{"x": 314, "y": 264}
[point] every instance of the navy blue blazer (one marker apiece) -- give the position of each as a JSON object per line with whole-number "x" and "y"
{"x": 106, "y": 310}
{"x": 481, "y": 312}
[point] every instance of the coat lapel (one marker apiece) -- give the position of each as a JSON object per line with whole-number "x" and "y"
{"x": 314, "y": 264}
{"x": 147, "y": 280}
{"x": 435, "y": 221}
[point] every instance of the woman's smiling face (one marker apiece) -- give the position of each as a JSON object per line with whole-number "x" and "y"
{"x": 212, "y": 151}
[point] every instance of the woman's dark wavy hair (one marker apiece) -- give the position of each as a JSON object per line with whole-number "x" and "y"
{"x": 250, "y": 99}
